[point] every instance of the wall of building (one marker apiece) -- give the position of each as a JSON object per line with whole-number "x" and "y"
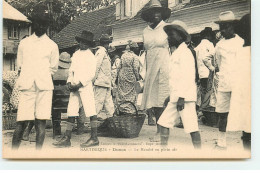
{"x": 10, "y": 46}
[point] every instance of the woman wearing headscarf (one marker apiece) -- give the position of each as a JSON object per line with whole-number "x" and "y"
{"x": 156, "y": 82}
{"x": 128, "y": 75}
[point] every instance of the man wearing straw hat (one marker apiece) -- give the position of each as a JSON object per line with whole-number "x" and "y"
{"x": 182, "y": 82}
{"x": 37, "y": 61}
{"x": 226, "y": 50}
{"x": 81, "y": 74}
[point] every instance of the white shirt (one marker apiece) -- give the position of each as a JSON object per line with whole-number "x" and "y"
{"x": 182, "y": 75}
{"x": 38, "y": 58}
{"x": 83, "y": 68}
{"x": 203, "y": 50}
{"x": 226, "y": 52}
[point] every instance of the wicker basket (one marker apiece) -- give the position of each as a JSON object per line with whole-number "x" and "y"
{"x": 127, "y": 125}
{"x": 9, "y": 119}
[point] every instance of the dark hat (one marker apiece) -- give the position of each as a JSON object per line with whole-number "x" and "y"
{"x": 180, "y": 27}
{"x": 105, "y": 38}
{"x": 86, "y": 37}
{"x": 243, "y": 28}
{"x": 154, "y": 6}
{"x": 64, "y": 60}
{"x": 207, "y": 32}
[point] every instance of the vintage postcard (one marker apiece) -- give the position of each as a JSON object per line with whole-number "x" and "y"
{"x": 126, "y": 79}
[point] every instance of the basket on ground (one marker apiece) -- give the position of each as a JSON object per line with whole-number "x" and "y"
{"x": 124, "y": 125}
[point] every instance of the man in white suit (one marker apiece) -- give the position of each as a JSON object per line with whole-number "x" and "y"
{"x": 183, "y": 94}
{"x": 226, "y": 56}
{"x": 37, "y": 61}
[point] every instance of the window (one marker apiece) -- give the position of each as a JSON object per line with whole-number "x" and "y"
{"x": 13, "y": 32}
{"x": 127, "y": 8}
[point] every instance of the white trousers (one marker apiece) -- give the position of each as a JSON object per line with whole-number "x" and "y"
{"x": 188, "y": 115}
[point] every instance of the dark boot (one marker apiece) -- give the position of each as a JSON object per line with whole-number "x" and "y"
{"x": 93, "y": 140}
{"x": 164, "y": 136}
{"x": 64, "y": 141}
{"x": 246, "y": 141}
{"x": 81, "y": 129}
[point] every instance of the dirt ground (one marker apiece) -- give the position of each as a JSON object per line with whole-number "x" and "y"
{"x": 178, "y": 140}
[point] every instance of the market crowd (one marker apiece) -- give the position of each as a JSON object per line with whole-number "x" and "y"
{"x": 177, "y": 81}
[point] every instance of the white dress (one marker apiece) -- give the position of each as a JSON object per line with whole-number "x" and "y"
{"x": 156, "y": 82}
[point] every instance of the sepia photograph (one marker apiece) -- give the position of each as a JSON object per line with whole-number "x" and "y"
{"x": 126, "y": 79}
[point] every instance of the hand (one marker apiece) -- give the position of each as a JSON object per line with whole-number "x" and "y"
{"x": 216, "y": 69}
{"x": 180, "y": 104}
{"x": 166, "y": 101}
{"x": 76, "y": 87}
{"x": 72, "y": 88}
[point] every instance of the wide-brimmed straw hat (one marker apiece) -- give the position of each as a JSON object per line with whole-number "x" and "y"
{"x": 64, "y": 60}
{"x": 154, "y": 6}
{"x": 226, "y": 17}
{"x": 86, "y": 37}
{"x": 180, "y": 27}
{"x": 207, "y": 32}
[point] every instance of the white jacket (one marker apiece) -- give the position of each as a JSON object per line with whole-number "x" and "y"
{"x": 182, "y": 75}
{"x": 203, "y": 50}
{"x": 82, "y": 69}
{"x": 226, "y": 52}
{"x": 37, "y": 58}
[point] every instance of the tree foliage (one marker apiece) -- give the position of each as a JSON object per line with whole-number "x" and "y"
{"x": 62, "y": 12}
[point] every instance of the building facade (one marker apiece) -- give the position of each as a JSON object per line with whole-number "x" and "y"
{"x": 16, "y": 26}
{"x": 197, "y": 14}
